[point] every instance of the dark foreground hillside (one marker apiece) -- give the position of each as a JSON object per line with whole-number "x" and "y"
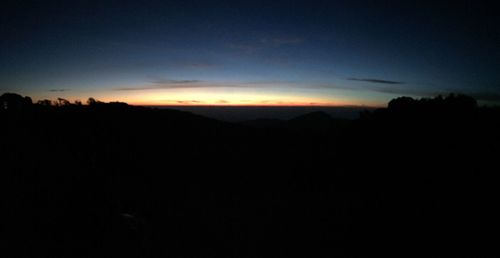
{"x": 419, "y": 178}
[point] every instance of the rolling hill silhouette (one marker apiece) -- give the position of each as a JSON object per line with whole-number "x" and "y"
{"x": 109, "y": 179}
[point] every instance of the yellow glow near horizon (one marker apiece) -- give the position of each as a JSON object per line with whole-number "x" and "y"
{"x": 212, "y": 96}
{"x": 202, "y": 97}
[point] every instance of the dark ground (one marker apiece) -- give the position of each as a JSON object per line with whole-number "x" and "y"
{"x": 236, "y": 114}
{"x": 419, "y": 178}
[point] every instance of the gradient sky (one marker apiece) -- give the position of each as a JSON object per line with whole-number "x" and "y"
{"x": 250, "y": 52}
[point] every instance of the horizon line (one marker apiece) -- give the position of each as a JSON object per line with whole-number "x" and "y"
{"x": 256, "y": 105}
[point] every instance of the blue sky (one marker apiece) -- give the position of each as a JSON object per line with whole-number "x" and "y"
{"x": 254, "y": 52}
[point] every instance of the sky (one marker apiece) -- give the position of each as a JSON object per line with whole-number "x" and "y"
{"x": 325, "y": 53}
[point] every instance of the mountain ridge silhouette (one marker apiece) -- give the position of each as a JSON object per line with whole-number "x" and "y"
{"x": 114, "y": 179}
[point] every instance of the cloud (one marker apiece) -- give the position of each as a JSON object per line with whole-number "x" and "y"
{"x": 403, "y": 91}
{"x": 136, "y": 88}
{"x": 167, "y": 81}
{"x": 397, "y": 89}
{"x": 375, "y": 80}
{"x": 168, "y": 84}
{"x": 375, "y": 85}
{"x": 186, "y": 84}
{"x": 58, "y": 90}
{"x": 188, "y": 102}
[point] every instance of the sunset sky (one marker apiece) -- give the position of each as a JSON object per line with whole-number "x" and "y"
{"x": 249, "y": 52}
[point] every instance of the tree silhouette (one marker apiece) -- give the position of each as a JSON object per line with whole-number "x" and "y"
{"x": 44, "y": 102}
{"x": 63, "y": 102}
{"x": 401, "y": 103}
{"x": 13, "y": 101}
{"x": 91, "y": 101}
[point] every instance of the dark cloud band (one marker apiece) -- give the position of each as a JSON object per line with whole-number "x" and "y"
{"x": 374, "y": 80}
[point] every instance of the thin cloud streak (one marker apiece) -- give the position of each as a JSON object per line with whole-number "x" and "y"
{"x": 384, "y": 88}
{"x": 189, "y": 84}
{"x": 397, "y": 89}
{"x": 168, "y": 81}
{"x": 275, "y": 84}
{"x": 189, "y": 102}
{"x": 167, "y": 84}
{"x": 371, "y": 80}
{"x": 376, "y": 85}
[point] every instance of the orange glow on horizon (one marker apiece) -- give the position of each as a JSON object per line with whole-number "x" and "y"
{"x": 216, "y": 97}
{"x": 230, "y": 97}
{"x": 258, "y": 104}
{"x": 243, "y": 103}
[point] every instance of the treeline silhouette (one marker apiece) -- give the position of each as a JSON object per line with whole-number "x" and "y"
{"x": 419, "y": 177}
